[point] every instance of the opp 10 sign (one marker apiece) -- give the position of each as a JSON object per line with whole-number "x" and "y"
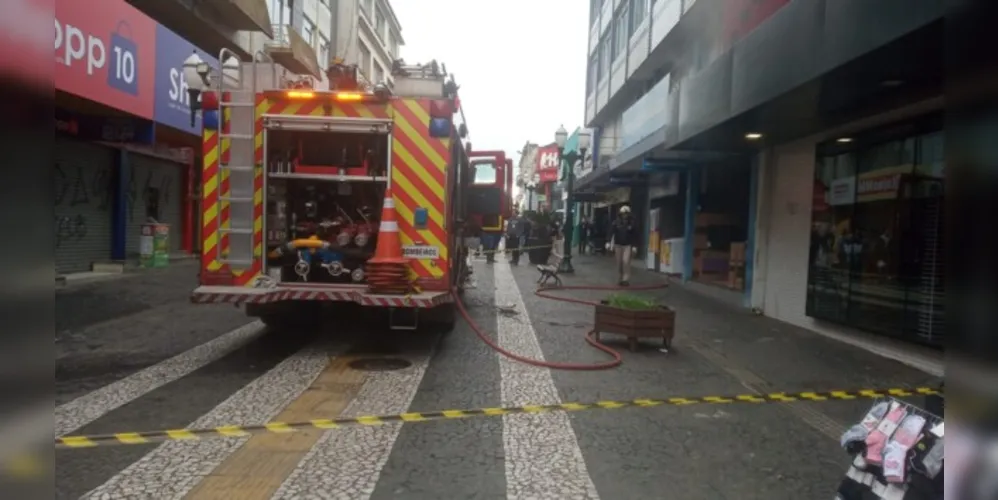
{"x": 74, "y": 46}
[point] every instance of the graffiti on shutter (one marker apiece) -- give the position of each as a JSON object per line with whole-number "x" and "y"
{"x": 155, "y": 194}
{"x": 78, "y": 192}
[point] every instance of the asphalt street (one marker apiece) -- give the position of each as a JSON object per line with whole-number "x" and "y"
{"x": 133, "y": 354}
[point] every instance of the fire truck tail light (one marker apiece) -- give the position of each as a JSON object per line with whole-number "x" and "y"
{"x": 349, "y": 96}
{"x": 300, "y": 94}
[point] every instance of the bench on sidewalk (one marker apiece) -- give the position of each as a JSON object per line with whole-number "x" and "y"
{"x": 549, "y": 271}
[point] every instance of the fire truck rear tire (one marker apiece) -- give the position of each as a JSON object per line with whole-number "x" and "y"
{"x": 442, "y": 317}
{"x": 290, "y": 315}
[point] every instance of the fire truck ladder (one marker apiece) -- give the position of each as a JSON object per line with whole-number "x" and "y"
{"x": 240, "y": 165}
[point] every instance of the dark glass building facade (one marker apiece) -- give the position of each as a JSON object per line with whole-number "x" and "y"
{"x": 876, "y": 258}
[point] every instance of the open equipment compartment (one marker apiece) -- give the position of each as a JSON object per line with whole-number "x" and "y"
{"x": 327, "y": 153}
{"x": 325, "y": 190}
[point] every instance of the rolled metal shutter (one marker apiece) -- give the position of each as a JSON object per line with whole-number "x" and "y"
{"x": 83, "y": 191}
{"x": 162, "y": 176}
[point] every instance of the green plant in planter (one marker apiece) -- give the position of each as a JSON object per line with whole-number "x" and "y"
{"x": 631, "y": 302}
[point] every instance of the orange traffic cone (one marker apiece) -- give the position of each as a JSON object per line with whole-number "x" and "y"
{"x": 388, "y": 272}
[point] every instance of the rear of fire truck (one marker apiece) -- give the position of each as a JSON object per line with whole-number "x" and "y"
{"x": 345, "y": 196}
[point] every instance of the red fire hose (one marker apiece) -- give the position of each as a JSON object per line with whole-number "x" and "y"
{"x": 590, "y": 336}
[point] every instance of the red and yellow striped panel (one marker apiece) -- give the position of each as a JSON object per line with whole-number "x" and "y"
{"x": 419, "y": 177}
{"x": 315, "y": 107}
{"x": 215, "y": 214}
{"x": 209, "y": 202}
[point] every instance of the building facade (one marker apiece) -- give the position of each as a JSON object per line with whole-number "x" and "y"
{"x": 379, "y": 40}
{"x": 770, "y": 151}
{"x": 527, "y": 177}
{"x": 361, "y": 32}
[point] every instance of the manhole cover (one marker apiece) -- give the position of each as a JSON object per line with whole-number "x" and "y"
{"x": 379, "y": 364}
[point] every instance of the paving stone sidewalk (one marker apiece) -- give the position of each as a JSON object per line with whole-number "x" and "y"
{"x": 761, "y": 353}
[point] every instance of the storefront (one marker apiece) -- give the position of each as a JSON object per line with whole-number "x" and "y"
{"x": 666, "y": 221}
{"x": 83, "y": 205}
{"x": 875, "y": 256}
{"x": 719, "y": 196}
{"x": 108, "y": 181}
{"x": 155, "y": 188}
{"x": 850, "y": 229}
{"x": 124, "y": 147}
{"x": 605, "y": 211}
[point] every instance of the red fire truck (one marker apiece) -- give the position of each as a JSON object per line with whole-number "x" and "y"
{"x": 297, "y": 182}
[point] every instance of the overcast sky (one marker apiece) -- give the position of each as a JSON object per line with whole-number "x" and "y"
{"x": 521, "y": 64}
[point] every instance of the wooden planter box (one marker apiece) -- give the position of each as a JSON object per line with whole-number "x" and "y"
{"x": 659, "y": 323}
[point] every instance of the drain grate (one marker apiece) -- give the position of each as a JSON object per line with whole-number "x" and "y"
{"x": 379, "y": 364}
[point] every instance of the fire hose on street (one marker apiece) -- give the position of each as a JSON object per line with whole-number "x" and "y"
{"x": 590, "y": 337}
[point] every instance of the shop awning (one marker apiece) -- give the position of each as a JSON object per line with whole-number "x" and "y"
{"x": 596, "y": 176}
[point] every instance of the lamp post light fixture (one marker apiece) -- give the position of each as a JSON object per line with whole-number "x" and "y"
{"x": 197, "y": 78}
{"x": 560, "y": 138}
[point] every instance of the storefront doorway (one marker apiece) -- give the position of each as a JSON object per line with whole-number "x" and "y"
{"x": 720, "y": 224}
{"x": 83, "y": 204}
{"x": 666, "y": 222}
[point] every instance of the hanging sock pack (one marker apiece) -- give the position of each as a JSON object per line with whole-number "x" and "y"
{"x": 877, "y": 439}
{"x": 855, "y": 437}
{"x": 896, "y": 451}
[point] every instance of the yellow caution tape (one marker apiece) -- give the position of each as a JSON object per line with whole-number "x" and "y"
{"x": 230, "y": 431}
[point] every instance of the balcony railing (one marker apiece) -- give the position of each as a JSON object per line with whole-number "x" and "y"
{"x": 644, "y": 117}
{"x": 289, "y": 49}
{"x": 665, "y": 17}
{"x": 280, "y": 38}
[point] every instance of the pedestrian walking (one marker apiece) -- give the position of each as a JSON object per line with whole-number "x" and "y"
{"x": 490, "y": 243}
{"x": 584, "y": 233}
{"x": 623, "y": 233}
{"x": 514, "y": 237}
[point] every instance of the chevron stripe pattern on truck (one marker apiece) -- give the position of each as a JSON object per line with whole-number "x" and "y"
{"x": 419, "y": 177}
{"x": 210, "y": 202}
{"x": 216, "y": 212}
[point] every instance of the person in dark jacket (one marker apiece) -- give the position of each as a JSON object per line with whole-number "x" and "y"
{"x": 584, "y": 229}
{"x": 624, "y": 232}
{"x": 514, "y": 236}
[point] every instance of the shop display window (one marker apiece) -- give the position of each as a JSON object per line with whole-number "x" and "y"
{"x": 876, "y": 258}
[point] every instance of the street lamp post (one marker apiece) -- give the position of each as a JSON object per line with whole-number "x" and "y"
{"x": 560, "y": 137}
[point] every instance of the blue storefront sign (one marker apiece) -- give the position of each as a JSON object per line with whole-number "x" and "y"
{"x": 171, "y": 99}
